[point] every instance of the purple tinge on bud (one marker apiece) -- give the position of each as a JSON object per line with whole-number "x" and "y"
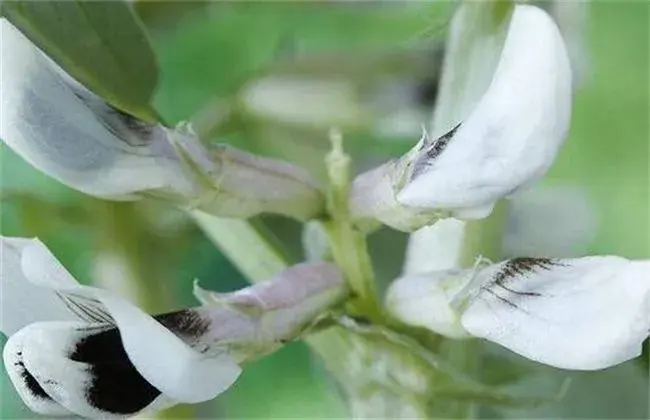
{"x": 74, "y": 136}
{"x": 244, "y": 185}
{"x": 270, "y": 313}
{"x": 504, "y": 145}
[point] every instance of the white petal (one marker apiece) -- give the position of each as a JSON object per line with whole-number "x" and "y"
{"x": 28, "y": 388}
{"x": 158, "y": 354}
{"x": 46, "y": 122}
{"x": 435, "y": 248}
{"x": 587, "y": 313}
{"x": 166, "y": 361}
{"x": 86, "y": 370}
{"x": 514, "y": 133}
{"x": 21, "y": 301}
{"x": 425, "y": 300}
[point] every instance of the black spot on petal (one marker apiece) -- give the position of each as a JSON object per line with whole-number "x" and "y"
{"x": 31, "y": 382}
{"x": 433, "y": 150}
{"x": 141, "y": 129}
{"x": 441, "y": 143}
{"x": 115, "y": 386}
{"x": 522, "y": 266}
{"x": 186, "y": 323}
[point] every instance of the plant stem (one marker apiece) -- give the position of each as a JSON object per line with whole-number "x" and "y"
{"x": 348, "y": 245}
{"x": 244, "y": 244}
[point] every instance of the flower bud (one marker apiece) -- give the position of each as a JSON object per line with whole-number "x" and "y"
{"x": 258, "y": 319}
{"x": 240, "y": 184}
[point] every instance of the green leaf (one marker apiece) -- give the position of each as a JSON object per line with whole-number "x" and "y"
{"x": 101, "y": 44}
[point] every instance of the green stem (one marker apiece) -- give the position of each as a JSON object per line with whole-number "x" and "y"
{"x": 244, "y": 244}
{"x": 348, "y": 245}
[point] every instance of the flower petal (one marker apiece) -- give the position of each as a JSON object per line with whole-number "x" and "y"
{"x": 424, "y": 300}
{"x": 28, "y": 388}
{"x": 587, "y": 313}
{"x": 21, "y": 301}
{"x": 165, "y": 360}
{"x": 514, "y": 133}
{"x": 436, "y": 247}
{"x": 86, "y": 369}
{"x": 61, "y": 132}
{"x": 158, "y": 354}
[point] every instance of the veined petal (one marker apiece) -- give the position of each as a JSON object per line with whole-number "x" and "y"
{"x": 513, "y": 134}
{"x": 158, "y": 354}
{"x": 587, "y": 313}
{"x": 69, "y": 133}
{"x": 21, "y": 301}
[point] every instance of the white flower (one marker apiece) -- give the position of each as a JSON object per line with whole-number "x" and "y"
{"x": 504, "y": 145}
{"x": 82, "y": 350}
{"x": 586, "y": 313}
{"x": 69, "y": 133}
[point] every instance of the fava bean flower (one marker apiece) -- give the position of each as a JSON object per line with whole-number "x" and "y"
{"x": 76, "y": 349}
{"x": 504, "y": 145}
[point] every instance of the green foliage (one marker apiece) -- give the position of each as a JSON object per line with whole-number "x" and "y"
{"x": 100, "y": 43}
{"x": 216, "y": 50}
{"x": 222, "y": 45}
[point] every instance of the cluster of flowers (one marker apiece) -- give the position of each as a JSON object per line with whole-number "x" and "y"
{"x": 82, "y": 350}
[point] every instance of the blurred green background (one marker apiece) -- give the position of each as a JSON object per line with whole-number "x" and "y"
{"x": 208, "y": 53}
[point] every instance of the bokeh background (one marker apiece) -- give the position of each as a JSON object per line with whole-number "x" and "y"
{"x": 210, "y": 57}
